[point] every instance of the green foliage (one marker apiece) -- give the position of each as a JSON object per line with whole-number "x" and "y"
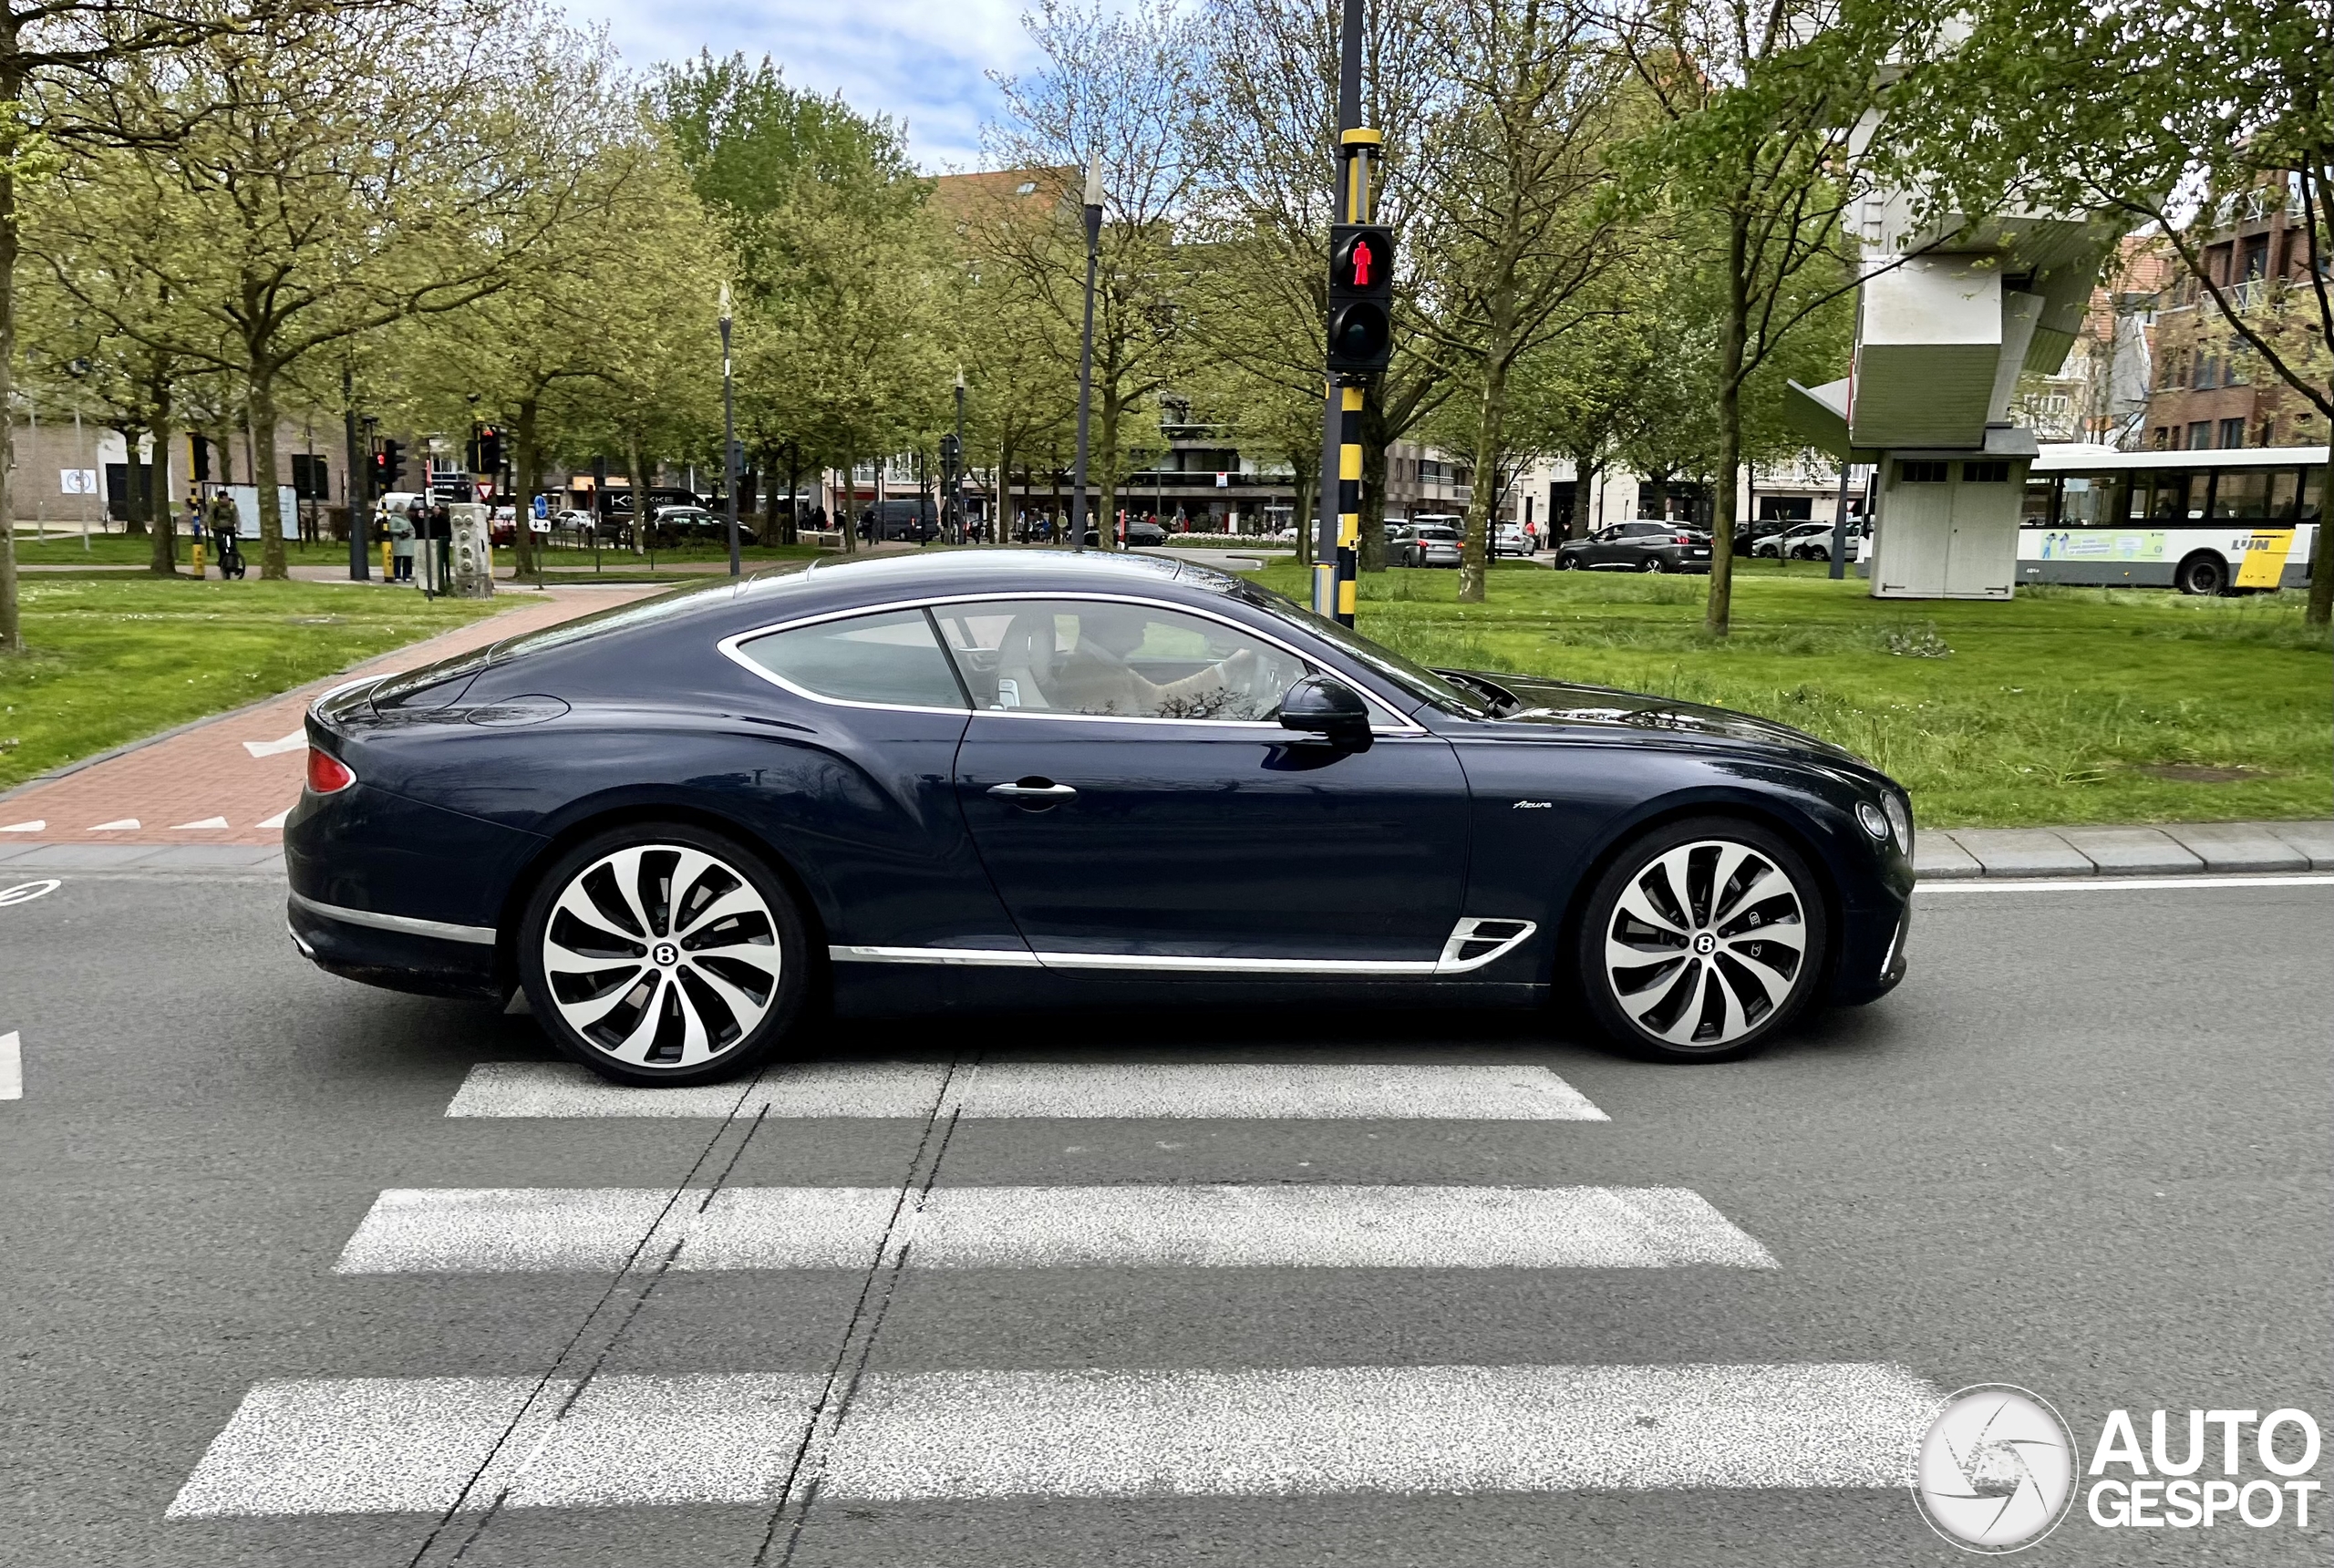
{"x": 2066, "y": 706}
{"x": 107, "y": 662}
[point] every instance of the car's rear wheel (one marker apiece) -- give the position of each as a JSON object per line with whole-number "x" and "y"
{"x": 1653, "y": 563}
{"x": 1703, "y": 940}
{"x": 660, "y": 953}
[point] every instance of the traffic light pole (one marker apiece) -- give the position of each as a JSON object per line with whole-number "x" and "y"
{"x": 1337, "y": 554}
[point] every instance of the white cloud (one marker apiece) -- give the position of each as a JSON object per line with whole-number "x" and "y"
{"x": 923, "y": 62}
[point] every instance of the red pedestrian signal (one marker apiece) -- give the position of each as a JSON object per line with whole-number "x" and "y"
{"x": 1361, "y": 298}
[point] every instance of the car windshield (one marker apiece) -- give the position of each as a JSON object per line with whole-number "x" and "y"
{"x": 1409, "y": 676}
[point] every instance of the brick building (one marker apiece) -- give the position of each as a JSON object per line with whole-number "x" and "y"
{"x": 2210, "y": 391}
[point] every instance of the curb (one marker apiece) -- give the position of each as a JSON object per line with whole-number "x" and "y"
{"x": 2172, "y": 850}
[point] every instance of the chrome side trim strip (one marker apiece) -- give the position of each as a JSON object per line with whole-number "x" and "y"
{"x": 1178, "y": 963}
{"x": 1463, "y": 935}
{"x": 405, "y": 924}
{"x": 961, "y": 957}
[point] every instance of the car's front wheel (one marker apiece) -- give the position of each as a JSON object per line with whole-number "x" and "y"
{"x": 1703, "y": 939}
{"x": 659, "y": 952}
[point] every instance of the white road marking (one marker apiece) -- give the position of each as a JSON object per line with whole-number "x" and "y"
{"x": 530, "y": 1230}
{"x": 388, "y": 1445}
{"x": 206, "y": 822}
{"x": 123, "y": 824}
{"x": 35, "y": 826}
{"x": 277, "y": 821}
{"x": 2127, "y": 884}
{"x": 11, "y": 1067}
{"x": 24, "y": 893}
{"x": 1215, "y": 1090}
{"x": 291, "y": 742}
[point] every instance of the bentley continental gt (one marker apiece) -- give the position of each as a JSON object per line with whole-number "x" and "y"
{"x": 1018, "y": 778}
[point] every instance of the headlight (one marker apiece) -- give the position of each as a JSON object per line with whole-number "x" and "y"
{"x": 1873, "y": 822}
{"x": 1900, "y": 819}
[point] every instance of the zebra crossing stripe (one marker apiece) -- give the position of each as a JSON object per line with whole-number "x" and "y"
{"x": 1212, "y": 1090}
{"x": 389, "y": 1444}
{"x": 534, "y": 1230}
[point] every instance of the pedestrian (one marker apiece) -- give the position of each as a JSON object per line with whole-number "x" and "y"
{"x": 401, "y": 534}
{"x": 441, "y": 538}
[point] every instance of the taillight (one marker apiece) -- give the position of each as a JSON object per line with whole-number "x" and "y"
{"x": 328, "y": 774}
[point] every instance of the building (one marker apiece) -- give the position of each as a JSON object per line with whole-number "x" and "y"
{"x": 2209, "y": 391}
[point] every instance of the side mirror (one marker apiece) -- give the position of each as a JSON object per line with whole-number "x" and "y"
{"x": 1327, "y": 708}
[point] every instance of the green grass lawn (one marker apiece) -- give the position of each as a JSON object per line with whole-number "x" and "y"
{"x": 2069, "y": 704}
{"x": 112, "y": 659}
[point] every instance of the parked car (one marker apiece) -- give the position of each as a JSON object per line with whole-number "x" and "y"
{"x": 671, "y": 526}
{"x": 1144, "y": 532}
{"x": 1750, "y": 533}
{"x": 1008, "y": 779}
{"x": 1637, "y": 547}
{"x": 911, "y": 520}
{"x": 1423, "y": 544}
{"x": 1791, "y": 543}
{"x": 1509, "y": 539}
{"x": 1818, "y": 546}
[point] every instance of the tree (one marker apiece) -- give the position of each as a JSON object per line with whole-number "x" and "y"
{"x": 322, "y": 181}
{"x": 632, "y": 280}
{"x": 2161, "y": 112}
{"x": 42, "y": 45}
{"x": 1117, "y": 86}
{"x": 1767, "y": 113}
{"x": 1516, "y": 232}
{"x": 842, "y": 349}
{"x": 1265, "y": 137}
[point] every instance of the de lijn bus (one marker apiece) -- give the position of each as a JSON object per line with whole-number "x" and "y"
{"x": 2202, "y": 523}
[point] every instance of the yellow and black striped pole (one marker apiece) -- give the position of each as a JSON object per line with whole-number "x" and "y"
{"x": 1348, "y": 500}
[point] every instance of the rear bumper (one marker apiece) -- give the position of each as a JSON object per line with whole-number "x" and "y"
{"x": 428, "y": 957}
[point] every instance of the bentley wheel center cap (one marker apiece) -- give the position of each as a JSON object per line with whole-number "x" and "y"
{"x": 1705, "y": 943}
{"x": 665, "y": 954}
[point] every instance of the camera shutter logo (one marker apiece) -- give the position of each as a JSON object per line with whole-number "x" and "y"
{"x": 1996, "y": 1470}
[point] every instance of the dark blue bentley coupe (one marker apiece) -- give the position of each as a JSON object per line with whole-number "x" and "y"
{"x": 1019, "y": 777}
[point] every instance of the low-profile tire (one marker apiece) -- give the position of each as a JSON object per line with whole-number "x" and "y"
{"x": 661, "y": 953}
{"x": 2203, "y": 575}
{"x": 1567, "y": 562}
{"x": 1654, "y": 563}
{"x": 1702, "y": 941}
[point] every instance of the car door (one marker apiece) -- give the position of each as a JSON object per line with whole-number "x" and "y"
{"x": 1137, "y": 807}
{"x": 854, "y": 774}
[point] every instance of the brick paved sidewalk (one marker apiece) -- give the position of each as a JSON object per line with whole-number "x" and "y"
{"x": 229, "y": 780}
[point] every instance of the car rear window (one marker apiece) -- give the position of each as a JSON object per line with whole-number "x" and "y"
{"x": 893, "y": 658}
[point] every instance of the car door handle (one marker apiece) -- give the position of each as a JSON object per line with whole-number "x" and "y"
{"x": 1034, "y": 792}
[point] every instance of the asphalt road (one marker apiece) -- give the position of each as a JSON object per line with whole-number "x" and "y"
{"x": 2083, "y": 1149}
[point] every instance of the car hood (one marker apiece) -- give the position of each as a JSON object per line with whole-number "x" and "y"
{"x": 1565, "y": 703}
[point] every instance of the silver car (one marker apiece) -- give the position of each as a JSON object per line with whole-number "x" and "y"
{"x": 1423, "y": 544}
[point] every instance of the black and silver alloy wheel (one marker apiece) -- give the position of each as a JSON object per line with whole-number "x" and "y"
{"x": 1702, "y": 941}
{"x": 663, "y": 953}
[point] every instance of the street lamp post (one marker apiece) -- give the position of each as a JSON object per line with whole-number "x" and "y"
{"x": 1086, "y": 349}
{"x": 728, "y": 434}
{"x": 957, "y": 464}
{"x": 360, "y": 563}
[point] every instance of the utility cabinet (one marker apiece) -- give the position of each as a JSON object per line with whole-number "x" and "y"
{"x": 1947, "y": 527}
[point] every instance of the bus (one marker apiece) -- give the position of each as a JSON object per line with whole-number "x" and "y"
{"x": 2202, "y": 523}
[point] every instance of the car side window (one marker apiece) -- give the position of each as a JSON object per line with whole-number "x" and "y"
{"x": 1111, "y": 659}
{"x": 892, "y": 659}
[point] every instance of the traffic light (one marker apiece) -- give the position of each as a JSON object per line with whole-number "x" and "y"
{"x": 488, "y": 450}
{"x": 388, "y": 467}
{"x": 1361, "y": 298}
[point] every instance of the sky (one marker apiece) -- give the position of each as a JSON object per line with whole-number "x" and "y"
{"x": 923, "y": 62}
